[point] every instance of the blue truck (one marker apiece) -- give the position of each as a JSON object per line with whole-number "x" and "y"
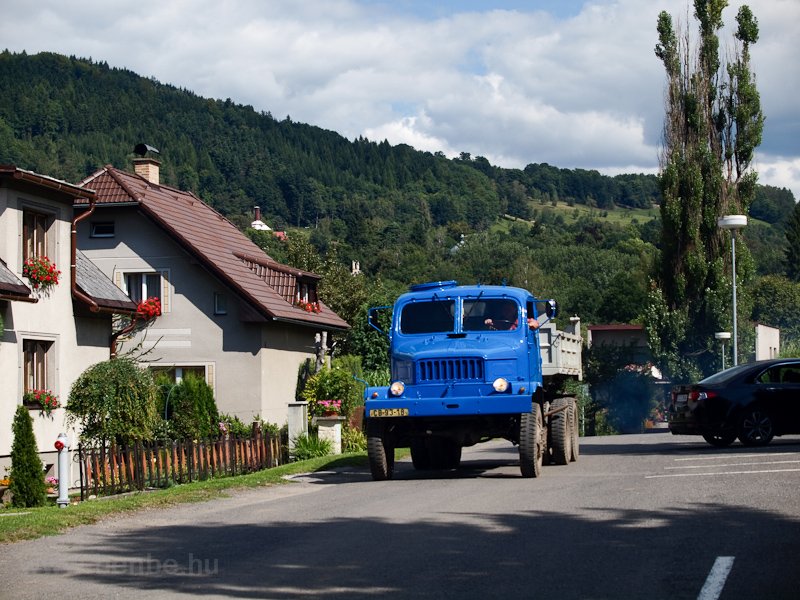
{"x": 470, "y": 364}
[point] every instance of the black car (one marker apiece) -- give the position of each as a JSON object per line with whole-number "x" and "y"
{"x": 754, "y": 402}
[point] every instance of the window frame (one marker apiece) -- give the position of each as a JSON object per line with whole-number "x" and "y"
{"x": 220, "y": 304}
{"x": 121, "y": 280}
{"x": 36, "y": 235}
{"x": 95, "y": 225}
{"x": 38, "y": 365}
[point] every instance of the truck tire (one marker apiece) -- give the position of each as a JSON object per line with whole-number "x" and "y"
{"x": 574, "y": 431}
{"x": 379, "y": 452}
{"x": 531, "y": 444}
{"x": 451, "y": 454}
{"x": 443, "y": 453}
{"x": 560, "y": 433}
{"x": 420, "y": 454}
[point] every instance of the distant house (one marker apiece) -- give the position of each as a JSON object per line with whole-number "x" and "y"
{"x": 48, "y": 337}
{"x": 622, "y": 335}
{"x": 230, "y": 313}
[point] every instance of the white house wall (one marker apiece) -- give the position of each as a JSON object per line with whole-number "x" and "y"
{"x": 77, "y": 342}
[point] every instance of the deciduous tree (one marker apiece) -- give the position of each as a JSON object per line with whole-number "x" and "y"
{"x": 713, "y": 125}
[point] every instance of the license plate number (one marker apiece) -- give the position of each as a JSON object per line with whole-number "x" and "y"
{"x": 680, "y": 399}
{"x": 388, "y": 412}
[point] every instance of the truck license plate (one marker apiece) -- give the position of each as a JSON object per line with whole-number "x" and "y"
{"x": 388, "y": 412}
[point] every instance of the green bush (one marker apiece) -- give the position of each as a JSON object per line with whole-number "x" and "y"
{"x": 235, "y": 427}
{"x": 27, "y": 479}
{"x": 192, "y": 410}
{"x": 309, "y": 446}
{"x": 114, "y": 400}
{"x": 332, "y": 384}
{"x": 353, "y": 440}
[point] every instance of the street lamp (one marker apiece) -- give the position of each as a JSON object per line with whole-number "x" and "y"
{"x": 722, "y": 337}
{"x": 733, "y": 222}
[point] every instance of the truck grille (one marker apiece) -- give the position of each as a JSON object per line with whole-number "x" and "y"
{"x": 435, "y": 370}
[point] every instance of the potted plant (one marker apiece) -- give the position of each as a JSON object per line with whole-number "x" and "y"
{"x": 149, "y": 309}
{"x": 329, "y": 408}
{"x": 45, "y": 400}
{"x": 41, "y": 273}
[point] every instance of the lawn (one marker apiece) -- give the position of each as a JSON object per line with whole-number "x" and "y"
{"x": 619, "y": 215}
{"x": 30, "y": 523}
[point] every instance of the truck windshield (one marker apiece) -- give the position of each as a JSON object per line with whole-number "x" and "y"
{"x": 490, "y": 314}
{"x": 428, "y": 317}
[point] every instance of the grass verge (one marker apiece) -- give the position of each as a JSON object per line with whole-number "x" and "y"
{"x": 30, "y": 523}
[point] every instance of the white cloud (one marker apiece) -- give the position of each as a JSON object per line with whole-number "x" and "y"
{"x": 516, "y": 86}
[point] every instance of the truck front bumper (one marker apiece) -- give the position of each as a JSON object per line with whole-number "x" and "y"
{"x": 447, "y": 400}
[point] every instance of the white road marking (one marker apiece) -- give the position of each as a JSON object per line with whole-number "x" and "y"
{"x": 770, "y": 462}
{"x": 728, "y": 456}
{"x": 716, "y": 578}
{"x": 724, "y": 473}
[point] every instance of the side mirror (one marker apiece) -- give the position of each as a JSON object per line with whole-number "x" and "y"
{"x": 551, "y": 309}
{"x": 373, "y": 318}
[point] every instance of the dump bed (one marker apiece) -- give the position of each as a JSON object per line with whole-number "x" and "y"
{"x": 561, "y": 350}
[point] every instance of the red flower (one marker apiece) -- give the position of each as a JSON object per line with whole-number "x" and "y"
{"x": 149, "y": 308}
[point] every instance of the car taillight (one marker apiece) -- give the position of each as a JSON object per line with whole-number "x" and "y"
{"x": 694, "y": 396}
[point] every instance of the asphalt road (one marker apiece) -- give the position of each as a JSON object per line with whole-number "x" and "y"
{"x": 639, "y": 516}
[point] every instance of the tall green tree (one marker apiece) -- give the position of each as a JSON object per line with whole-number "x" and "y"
{"x": 793, "y": 245}
{"x": 712, "y": 126}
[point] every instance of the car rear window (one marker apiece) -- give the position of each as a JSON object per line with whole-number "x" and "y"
{"x": 726, "y": 375}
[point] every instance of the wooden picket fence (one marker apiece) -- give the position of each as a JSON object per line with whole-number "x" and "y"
{"x": 115, "y": 469}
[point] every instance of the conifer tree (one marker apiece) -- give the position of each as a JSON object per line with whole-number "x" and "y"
{"x": 27, "y": 480}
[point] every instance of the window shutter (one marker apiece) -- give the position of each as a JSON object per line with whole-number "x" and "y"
{"x": 119, "y": 279}
{"x": 210, "y": 375}
{"x": 165, "y": 295}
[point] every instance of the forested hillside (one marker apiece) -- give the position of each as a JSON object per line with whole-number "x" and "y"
{"x": 405, "y": 215}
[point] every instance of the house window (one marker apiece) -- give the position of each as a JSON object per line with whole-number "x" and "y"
{"x": 140, "y": 286}
{"x": 34, "y": 234}
{"x": 37, "y": 358}
{"x": 175, "y": 374}
{"x": 306, "y": 292}
{"x": 102, "y": 230}
{"x": 220, "y": 304}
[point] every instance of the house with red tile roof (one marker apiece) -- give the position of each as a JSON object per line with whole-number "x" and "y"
{"x": 55, "y": 323}
{"x": 229, "y": 312}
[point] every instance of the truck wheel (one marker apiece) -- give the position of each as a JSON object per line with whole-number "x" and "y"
{"x": 379, "y": 452}
{"x": 531, "y": 444}
{"x": 560, "y": 434}
{"x": 451, "y": 453}
{"x": 420, "y": 454}
{"x": 574, "y": 430}
{"x": 443, "y": 453}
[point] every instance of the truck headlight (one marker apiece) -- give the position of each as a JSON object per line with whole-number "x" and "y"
{"x": 500, "y": 384}
{"x": 397, "y": 388}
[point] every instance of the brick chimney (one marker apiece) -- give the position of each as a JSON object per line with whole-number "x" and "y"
{"x": 147, "y": 168}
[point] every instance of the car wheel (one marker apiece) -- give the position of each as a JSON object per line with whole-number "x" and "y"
{"x": 719, "y": 440}
{"x": 531, "y": 444}
{"x": 756, "y": 427}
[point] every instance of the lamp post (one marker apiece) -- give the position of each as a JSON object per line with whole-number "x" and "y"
{"x": 722, "y": 337}
{"x": 733, "y": 222}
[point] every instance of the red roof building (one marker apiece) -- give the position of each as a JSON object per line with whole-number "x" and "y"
{"x": 230, "y": 312}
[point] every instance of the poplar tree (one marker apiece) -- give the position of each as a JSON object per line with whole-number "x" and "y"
{"x": 793, "y": 245}
{"x": 712, "y": 126}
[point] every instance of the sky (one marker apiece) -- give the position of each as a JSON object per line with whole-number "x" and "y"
{"x": 571, "y": 83}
